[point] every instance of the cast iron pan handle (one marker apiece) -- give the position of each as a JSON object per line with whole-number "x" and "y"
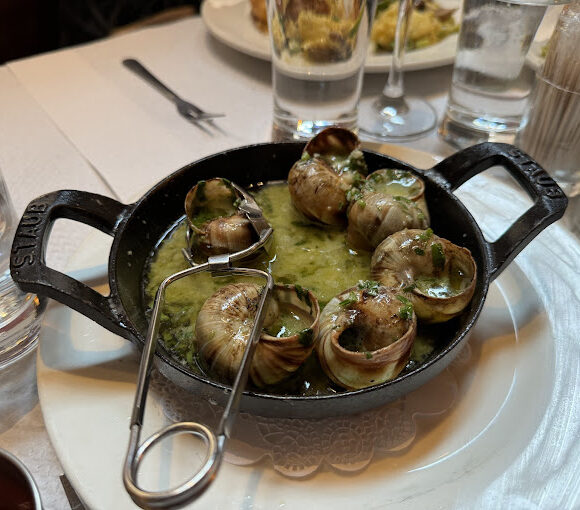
{"x": 549, "y": 200}
{"x": 27, "y": 259}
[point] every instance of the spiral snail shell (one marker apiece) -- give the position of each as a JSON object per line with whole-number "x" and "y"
{"x": 225, "y": 320}
{"x": 330, "y": 165}
{"x": 317, "y": 191}
{"x": 398, "y": 182}
{"x": 374, "y": 216}
{"x": 366, "y": 335}
{"x": 215, "y": 226}
{"x": 437, "y": 276}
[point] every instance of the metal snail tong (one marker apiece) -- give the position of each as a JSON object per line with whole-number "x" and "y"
{"x": 218, "y": 265}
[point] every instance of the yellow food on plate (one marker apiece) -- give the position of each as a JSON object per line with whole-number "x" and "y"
{"x": 429, "y": 24}
{"x": 321, "y": 31}
{"x": 314, "y": 24}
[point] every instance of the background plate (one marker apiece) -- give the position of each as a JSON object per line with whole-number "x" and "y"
{"x": 231, "y": 23}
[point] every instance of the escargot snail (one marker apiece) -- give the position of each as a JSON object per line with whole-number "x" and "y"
{"x": 225, "y": 320}
{"x": 437, "y": 276}
{"x": 366, "y": 335}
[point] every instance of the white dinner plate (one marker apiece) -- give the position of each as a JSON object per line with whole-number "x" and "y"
{"x": 231, "y": 23}
{"x": 508, "y": 439}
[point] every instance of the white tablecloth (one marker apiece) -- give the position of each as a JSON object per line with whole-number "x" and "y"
{"x": 78, "y": 119}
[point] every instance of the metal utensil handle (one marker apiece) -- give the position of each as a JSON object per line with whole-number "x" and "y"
{"x": 549, "y": 200}
{"x": 215, "y": 442}
{"x": 143, "y": 72}
{"x": 188, "y": 490}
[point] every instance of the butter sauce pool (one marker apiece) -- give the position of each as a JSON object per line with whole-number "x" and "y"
{"x": 314, "y": 257}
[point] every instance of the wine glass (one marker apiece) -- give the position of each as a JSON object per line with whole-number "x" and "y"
{"x": 393, "y": 116}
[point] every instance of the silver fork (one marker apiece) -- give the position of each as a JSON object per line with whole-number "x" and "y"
{"x": 188, "y": 110}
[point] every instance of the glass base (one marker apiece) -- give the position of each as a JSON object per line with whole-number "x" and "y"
{"x": 19, "y": 321}
{"x": 405, "y": 119}
{"x": 301, "y": 130}
{"x": 461, "y": 135}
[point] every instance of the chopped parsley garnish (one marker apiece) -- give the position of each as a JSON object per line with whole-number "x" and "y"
{"x": 351, "y": 299}
{"x": 403, "y": 299}
{"x": 200, "y": 191}
{"x": 438, "y": 255}
{"x": 419, "y": 251}
{"x": 357, "y": 178}
{"x": 405, "y": 311}
{"x": 354, "y": 194}
{"x": 425, "y": 236}
{"x": 302, "y": 294}
{"x": 370, "y": 286}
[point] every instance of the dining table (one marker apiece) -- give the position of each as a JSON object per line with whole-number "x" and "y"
{"x": 498, "y": 429}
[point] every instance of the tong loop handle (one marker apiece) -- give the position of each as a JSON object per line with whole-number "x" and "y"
{"x": 188, "y": 490}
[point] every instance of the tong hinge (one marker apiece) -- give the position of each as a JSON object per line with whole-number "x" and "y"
{"x": 219, "y": 263}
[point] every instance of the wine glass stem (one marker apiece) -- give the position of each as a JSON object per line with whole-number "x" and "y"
{"x": 394, "y": 86}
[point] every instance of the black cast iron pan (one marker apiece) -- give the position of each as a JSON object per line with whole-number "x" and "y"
{"x": 136, "y": 228}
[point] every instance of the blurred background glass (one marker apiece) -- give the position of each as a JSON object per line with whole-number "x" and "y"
{"x": 318, "y": 54}
{"x": 19, "y": 312}
{"x": 491, "y": 81}
{"x": 393, "y": 116}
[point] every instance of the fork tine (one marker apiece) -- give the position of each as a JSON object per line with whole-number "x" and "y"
{"x": 207, "y": 119}
{"x": 214, "y": 125}
{"x": 208, "y": 116}
{"x": 198, "y": 123}
{"x": 192, "y": 114}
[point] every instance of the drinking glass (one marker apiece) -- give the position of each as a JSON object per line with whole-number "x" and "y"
{"x": 393, "y": 116}
{"x": 19, "y": 312}
{"x": 318, "y": 54}
{"x": 491, "y": 81}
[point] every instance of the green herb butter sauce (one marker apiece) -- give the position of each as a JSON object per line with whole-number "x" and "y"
{"x": 394, "y": 182}
{"x": 291, "y": 321}
{"x": 315, "y": 257}
{"x": 437, "y": 287}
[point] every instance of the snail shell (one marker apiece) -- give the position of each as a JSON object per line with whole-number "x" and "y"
{"x": 225, "y": 321}
{"x": 375, "y": 215}
{"x": 365, "y": 336}
{"x": 398, "y": 182}
{"x": 333, "y": 141}
{"x": 330, "y": 165}
{"x": 224, "y": 235}
{"x": 340, "y": 148}
{"x": 438, "y": 276}
{"x": 318, "y": 192}
{"x": 215, "y": 225}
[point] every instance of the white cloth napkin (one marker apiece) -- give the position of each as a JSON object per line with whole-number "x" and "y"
{"x": 119, "y": 122}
